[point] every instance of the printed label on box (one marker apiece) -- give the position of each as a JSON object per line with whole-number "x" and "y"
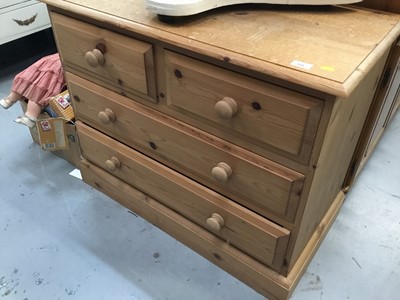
{"x": 63, "y": 101}
{"x": 52, "y": 134}
{"x": 45, "y": 125}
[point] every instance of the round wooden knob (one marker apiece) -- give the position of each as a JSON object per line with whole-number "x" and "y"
{"x": 94, "y": 58}
{"x": 221, "y": 172}
{"x": 107, "y": 116}
{"x": 226, "y": 108}
{"x": 215, "y": 222}
{"x": 113, "y": 164}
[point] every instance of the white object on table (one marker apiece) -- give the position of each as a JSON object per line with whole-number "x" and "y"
{"x": 177, "y": 8}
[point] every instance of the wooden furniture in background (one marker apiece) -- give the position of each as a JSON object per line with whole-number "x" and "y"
{"x": 386, "y": 102}
{"x": 232, "y": 131}
{"x": 384, "y": 5}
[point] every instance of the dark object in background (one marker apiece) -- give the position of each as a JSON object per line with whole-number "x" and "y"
{"x": 25, "y": 51}
{"x": 385, "y": 5}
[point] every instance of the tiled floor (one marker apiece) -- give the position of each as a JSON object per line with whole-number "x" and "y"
{"x": 60, "y": 239}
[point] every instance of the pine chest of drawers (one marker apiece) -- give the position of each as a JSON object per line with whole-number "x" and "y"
{"x": 232, "y": 131}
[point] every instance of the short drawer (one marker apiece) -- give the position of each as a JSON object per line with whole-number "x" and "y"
{"x": 242, "y": 228}
{"x": 23, "y": 21}
{"x": 257, "y": 183}
{"x": 255, "y": 111}
{"x": 115, "y": 61}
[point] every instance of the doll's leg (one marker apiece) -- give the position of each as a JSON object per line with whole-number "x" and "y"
{"x": 29, "y": 119}
{"x": 33, "y": 109}
{"x": 12, "y": 98}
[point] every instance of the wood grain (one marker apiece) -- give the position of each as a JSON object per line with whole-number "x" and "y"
{"x": 128, "y": 67}
{"x": 242, "y": 228}
{"x": 334, "y": 40}
{"x": 320, "y": 68}
{"x": 256, "y": 182}
{"x": 267, "y": 115}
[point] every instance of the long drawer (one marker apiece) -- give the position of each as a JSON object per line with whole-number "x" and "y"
{"x": 240, "y": 227}
{"x": 253, "y": 111}
{"x": 257, "y": 183}
{"x": 115, "y": 61}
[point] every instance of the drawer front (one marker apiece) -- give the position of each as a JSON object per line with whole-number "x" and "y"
{"x": 240, "y": 227}
{"x": 23, "y": 21}
{"x": 255, "y": 182}
{"x": 120, "y": 63}
{"x": 255, "y": 111}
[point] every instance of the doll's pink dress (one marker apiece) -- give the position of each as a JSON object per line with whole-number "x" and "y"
{"x": 41, "y": 80}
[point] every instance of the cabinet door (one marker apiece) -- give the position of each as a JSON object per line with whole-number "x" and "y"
{"x": 382, "y": 109}
{"x": 390, "y": 92}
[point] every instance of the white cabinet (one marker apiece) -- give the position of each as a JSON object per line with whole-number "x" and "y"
{"x": 19, "y": 18}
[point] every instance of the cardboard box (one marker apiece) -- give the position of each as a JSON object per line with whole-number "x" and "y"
{"x": 61, "y": 105}
{"x": 52, "y": 134}
{"x": 72, "y": 152}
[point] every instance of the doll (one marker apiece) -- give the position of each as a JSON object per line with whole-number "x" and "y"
{"x": 36, "y": 84}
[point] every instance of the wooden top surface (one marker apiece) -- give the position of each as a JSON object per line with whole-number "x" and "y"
{"x": 328, "y": 48}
